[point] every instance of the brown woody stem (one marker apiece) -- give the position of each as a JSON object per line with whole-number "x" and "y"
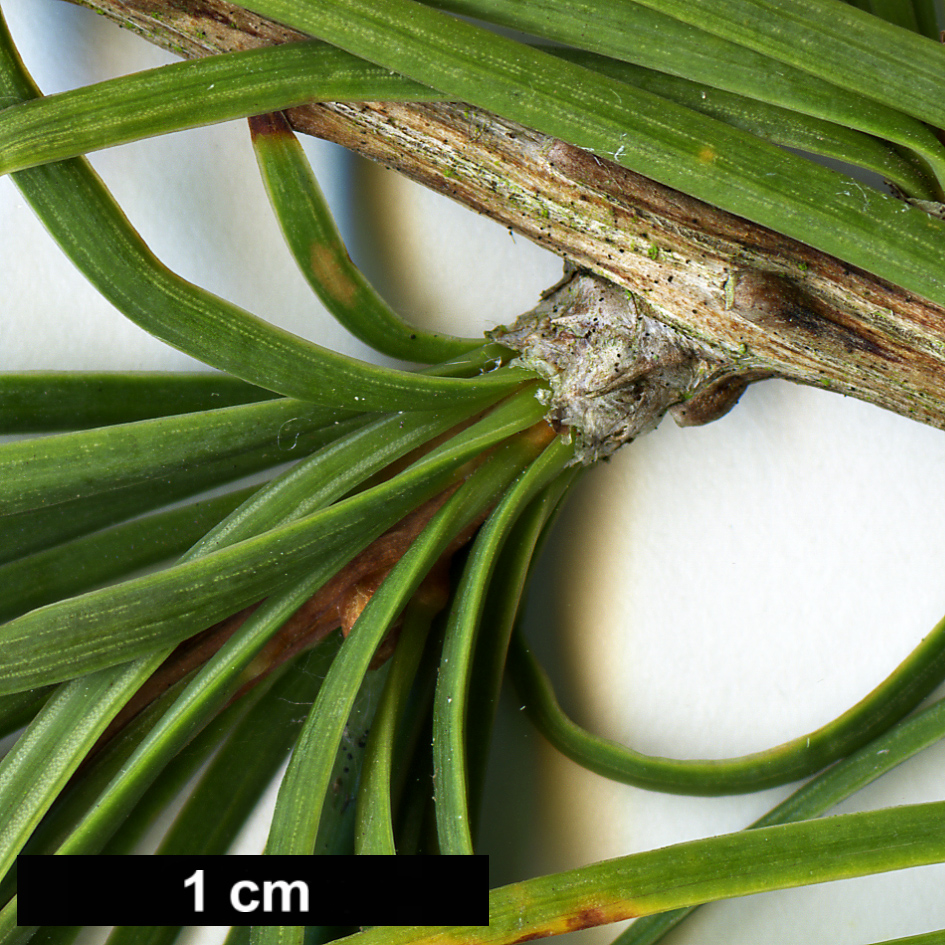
{"x": 763, "y": 305}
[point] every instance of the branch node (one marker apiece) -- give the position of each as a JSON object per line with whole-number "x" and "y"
{"x": 613, "y": 370}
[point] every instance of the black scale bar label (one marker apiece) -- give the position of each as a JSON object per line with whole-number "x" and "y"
{"x": 253, "y": 890}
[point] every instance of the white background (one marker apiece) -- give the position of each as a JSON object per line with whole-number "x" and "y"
{"x": 709, "y": 592}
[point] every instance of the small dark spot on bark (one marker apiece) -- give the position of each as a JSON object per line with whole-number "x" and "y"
{"x": 777, "y": 304}
{"x": 218, "y": 17}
